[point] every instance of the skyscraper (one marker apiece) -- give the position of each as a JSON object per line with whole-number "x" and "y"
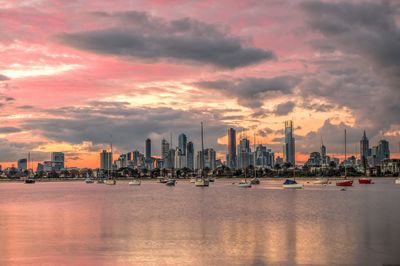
{"x": 22, "y": 164}
{"x": 289, "y": 146}
{"x": 244, "y": 153}
{"x": 148, "y": 148}
{"x": 105, "y": 160}
{"x": 164, "y": 149}
{"x": 232, "y": 158}
{"x": 364, "y": 147}
{"x": 190, "y": 155}
{"x": 383, "y": 151}
{"x": 323, "y": 153}
{"x": 182, "y": 141}
{"x": 57, "y": 159}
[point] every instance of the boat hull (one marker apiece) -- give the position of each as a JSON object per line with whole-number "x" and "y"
{"x": 365, "y": 181}
{"x": 135, "y": 183}
{"x": 201, "y": 183}
{"x": 244, "y": 185}
{"x": 293, "y": 186}
{"x": 346, "y": 183}
{"x": 322, "y": 181}
{"x": 110, "y": 182}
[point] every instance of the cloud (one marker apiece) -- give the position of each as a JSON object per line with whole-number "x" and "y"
{"x": 12, "y": 151}
{"x": 3, "y": 77}
{"x": 252, "y": 92}
{"x": 129, "y": 126}
{"x": 6, "y": 130}
{"x": 284, "y": 108}
{"x": 137, "y": 35}
{"x": 363, "y": 73}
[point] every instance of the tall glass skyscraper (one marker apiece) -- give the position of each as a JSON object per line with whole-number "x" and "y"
{"x": 164, "y": 149}
{"x": 289, "y": 146}
{"x": 148, "y": 148}
{"x": 231, "y": 156}
{"x": 182, "y": 141}
{"x": 190, "y": 155}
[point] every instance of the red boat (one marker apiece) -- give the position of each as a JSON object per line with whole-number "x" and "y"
{"x": 344, "y": 183}
{"x": 365, "y": 181}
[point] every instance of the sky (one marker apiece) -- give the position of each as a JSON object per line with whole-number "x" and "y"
{"x": 73, "y": 73}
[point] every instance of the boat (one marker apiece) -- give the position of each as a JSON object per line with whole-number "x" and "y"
{"x": 201, "y": 181}
{"x": 244, "y": 184}
{"x": 255, "y": 181}
{"x": 345, "y": 182}
{"x": 29, "y": 181}
{"x": 135, "y": 182}
{"x": 365, "y": 181}
{"x": 192, "y": 180}
{"x": 88, "y": 180}
{"x": 163, "y": 180}
{"x": 100, "y": 181}
{"x": 110, "y": 182}
{"x": 211, "y": 179}
{"x": 321, "y": 181}
{"x": 397, "y": 181}
{"x": 171, "y": 182}
{"x": 292, "y": 184}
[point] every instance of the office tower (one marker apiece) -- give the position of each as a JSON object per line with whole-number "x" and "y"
{"x": 22, "y": 164}
{"x": 105, "y": 160}
{"x": 364, "y": 147}
{"x": 323, "y": 153}
{"x": 244, "y": 153}
{"x": 263, "y": 157}
{"x": 232, "y": 158}
{"x": 178, "y": 158}
{"x": 57, "y": 159}
{"x": 289, "y": 146}
{"x": 190, "y": 155}
{"x": 209, "y": 158}
{"x": 148, "y": 148}
{"x": 164, "y": 149}
{"x": 182, "y": 141}
{"x": 383, "y": 151}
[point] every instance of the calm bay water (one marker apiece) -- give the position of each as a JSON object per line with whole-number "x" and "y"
{"x": 73, "y": 223}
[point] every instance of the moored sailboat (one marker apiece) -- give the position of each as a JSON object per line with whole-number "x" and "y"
{"x": 201, "y": 181}
{"x": 345, "y": 182}
{"x": 365, "y": 181}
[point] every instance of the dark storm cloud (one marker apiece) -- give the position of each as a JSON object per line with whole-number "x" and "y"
{"x": 363, "y": 76}
{"x": 129, "y": 126}
{"x": 139, "y": 35}
{"x": 251, "y": 92}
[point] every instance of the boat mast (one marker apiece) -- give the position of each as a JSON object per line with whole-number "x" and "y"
{"x": 202, "y": 151}
{"x": 345, "y": 153}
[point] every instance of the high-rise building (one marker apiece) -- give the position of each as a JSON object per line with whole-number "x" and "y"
{"x": 57, "y": 159}
{"x": 232, "y": 158}
{"x": 244, "y": 152}
{"x": 190, "y": 155}
{"x": 324, "y": 158}
{"x": 182, "y": 141}
{"x": 22, "y": 164}
{"x": 364, "y": 148}
{"x": 289, "y": 146}
{"x": 105, "y": 160}
{"x": 148, "y": 148}
{"x": 164, "y": 149}
{"x": 383, "y": 151}
{"x": 209, "y": 159}
{"x": 264, "y": 157}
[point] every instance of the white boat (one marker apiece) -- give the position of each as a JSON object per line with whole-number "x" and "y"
{"x": 135, "y": 182}
{"x": 89, "y": 180}
{"x": 192, "y": 180}
{"x": 397, "y": 181}
{"x": 244, "y": 184}
{"x": 110, "y": 182}
{"x": 201, "y": 182}
{"x": 321, "y": 181}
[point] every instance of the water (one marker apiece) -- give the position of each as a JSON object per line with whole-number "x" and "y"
{"x": 73, "y": 223}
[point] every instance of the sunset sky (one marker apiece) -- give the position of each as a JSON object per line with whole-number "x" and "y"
{"x": 74, "y": 72}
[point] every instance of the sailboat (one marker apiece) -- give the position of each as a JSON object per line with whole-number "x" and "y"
{"x": 345, "y": 182}
{"x": 244, "y": 183}
{"x": 397, "y": 181}
{"x": 321, "y": 181}
{"x": 292, "y": 184}
{"x": 135, "y": 182}
{"x": 365, "y": 181}
{"x": 201, "y": 181}
{"x": 31, "y": 177}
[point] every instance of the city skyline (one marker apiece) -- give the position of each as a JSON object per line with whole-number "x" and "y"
{"x": 65, "y": 88}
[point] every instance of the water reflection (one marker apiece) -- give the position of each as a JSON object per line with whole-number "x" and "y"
{"x": 74, "y": 223}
